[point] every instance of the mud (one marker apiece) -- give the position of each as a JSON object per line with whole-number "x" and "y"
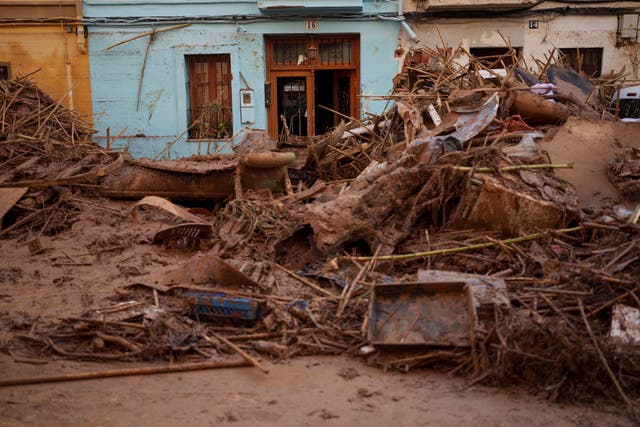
{"x": 303, "y": 392}
{"x": 590, "y": 145}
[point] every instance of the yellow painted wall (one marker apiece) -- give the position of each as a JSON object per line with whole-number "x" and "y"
{"x": 30, "y": 47}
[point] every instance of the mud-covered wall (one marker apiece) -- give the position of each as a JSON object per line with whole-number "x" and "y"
{"x": 32, "y": 47}
{"x": 162, "y": 115}
{"x": 553, "y": 31}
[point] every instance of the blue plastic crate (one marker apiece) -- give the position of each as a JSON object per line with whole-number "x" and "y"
{"x": 218, "y": 304}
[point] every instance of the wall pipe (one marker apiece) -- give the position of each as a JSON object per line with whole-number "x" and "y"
{"x": 403, "y": 23}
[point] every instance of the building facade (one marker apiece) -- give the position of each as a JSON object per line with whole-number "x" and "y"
{"x": 188, "y": 77}
{"x": 596, "y": 37}
{"x": 45, "y": 38}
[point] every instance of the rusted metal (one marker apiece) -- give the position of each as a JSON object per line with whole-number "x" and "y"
{"x": 184, "y": 235}
{"x": 146, "y": 178}
{"x": 421, "y": 313}
{"x": 487, "y": 292}
{"x": 196, "y": 180}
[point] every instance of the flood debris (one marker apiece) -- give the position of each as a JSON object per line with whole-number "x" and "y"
{"x": 625, "y": 325}
{"x": 469, "y": 227}
{"x": 200, "y": 269}
{"x": 158, "y": 202}
{"x": 188, "y": 235}
{"x": 432, "y": 313}
{"x": 513, "y": 204}
{"x": 8, "y": 198}
{"x": 624, "y": 172}
{"x": 217, "y": 304}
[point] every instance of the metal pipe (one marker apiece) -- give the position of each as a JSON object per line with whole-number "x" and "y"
{"x": 412, "y": 35}
{"x": 400, "y": 18}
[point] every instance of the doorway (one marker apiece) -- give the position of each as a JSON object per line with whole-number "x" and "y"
{"x": 291, "y": 95}
{"x": 332, "y": 98}
{"x": 312, "y": 81}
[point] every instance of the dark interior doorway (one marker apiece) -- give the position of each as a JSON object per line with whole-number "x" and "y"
{"x": 332, "y": 90}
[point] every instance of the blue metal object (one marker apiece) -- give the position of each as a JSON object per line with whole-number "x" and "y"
{"x": 218, "y": 304}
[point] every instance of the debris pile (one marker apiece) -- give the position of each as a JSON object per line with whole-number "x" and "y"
{"x": 43, "y": 145}
{"x": 438, "y": 234}
{"x": 28, "y": 114}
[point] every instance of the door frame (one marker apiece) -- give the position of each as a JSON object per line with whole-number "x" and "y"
{"x": 273, "y": 71}
{"x": 311, "y": 120}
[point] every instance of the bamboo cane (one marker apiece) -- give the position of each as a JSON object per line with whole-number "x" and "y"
{"x": 517, "y": 167}
{"x": 461, "y": 248}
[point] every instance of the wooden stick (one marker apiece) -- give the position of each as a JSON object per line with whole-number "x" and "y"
{"x": 559, "y": 313}
{"x": 613, "y": 301}
{"x": 246, "y": 356}
{"x": 28, "y": 218}
{"x": 462, "y": 248}
{"x": 305, "y": 281}
{"x": 557, "y": 291}
{"x": 22, "y": 359}
{"x": 98, "y": 205}
{"x": 175, "y": 27}
{"x": 517, "y": 167}
{"x": 152, "y": 37}
{"x": 431, "y": 355}
{"x": 79, "y": 376}
{"x": 630, "y": 405}
{"x": 106, "y": 322}
{"x": 263, "y": 335}
{"x": 348, "y": 290}
{"x": 636, "y": 215}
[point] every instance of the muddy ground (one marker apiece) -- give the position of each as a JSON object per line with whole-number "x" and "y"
{"x": 302, "y": 392}
{"x": 104, "y": 249}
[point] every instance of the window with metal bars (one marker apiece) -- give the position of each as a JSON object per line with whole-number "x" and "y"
{"x": 289, "y": 51}
{"x": 316, "y": 51}
{"x": 209, "y": 86}
{"x": 335, "y": 52}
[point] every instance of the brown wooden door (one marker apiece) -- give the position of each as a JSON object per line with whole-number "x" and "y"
{"x": 292, "y": 100}
{"x": 330, "y": 66}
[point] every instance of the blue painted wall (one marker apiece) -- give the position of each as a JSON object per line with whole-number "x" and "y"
{"x": 162, "y": 114}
